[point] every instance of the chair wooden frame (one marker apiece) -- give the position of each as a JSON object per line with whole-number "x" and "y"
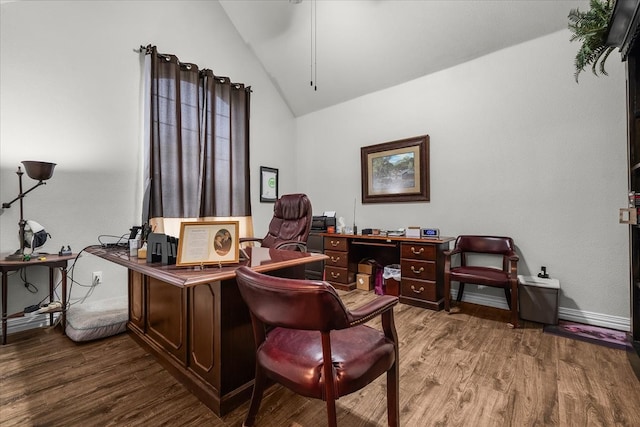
{"x": 507, "y": 278}
{"x": 287, "y": 313}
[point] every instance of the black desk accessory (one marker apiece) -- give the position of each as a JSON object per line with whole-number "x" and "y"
{"x": 162, "y": 248}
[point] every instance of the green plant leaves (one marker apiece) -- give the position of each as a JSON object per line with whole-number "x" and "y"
{"x": 591, "y": 28}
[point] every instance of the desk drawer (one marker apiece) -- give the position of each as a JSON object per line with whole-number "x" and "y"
{"x": 335, "y": 243}
{"x": 338, "y": 275}
{"x": 419, "y": 289}
{"x": 337, "y": 259}
{"x": 418, "y": 251}
{"x": 422, "y": 270}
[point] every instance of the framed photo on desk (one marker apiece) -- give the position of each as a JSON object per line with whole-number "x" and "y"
{"x": 396, "y": 171}
{"x": 208, "y": 243}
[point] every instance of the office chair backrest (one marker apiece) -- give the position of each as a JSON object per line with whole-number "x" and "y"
{"x": 485, "y": 244}
{"x": 291, "y": 220}
{"x": 293, "y": 304}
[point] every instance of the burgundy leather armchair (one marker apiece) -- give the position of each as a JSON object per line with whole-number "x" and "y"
{"x": 506, "y": 278}
{"x": 289, "y": 228}
{"x": 309, "y": 342}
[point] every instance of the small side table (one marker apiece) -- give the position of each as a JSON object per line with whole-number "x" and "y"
{"x": 51, "y": 261}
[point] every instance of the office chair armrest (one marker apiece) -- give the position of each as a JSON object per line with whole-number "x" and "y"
{"x": 292, "y": 245}
{"x": 448, "y": 255}
{"x": 451, "y": 252}
{"x": 372, "y": 309}
{"x": 511, "y": 259}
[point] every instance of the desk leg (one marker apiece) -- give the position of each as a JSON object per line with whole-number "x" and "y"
{"x": 4, "y": 307}
{"x": 63, "y": 320}
{"x": 51, "y": 271}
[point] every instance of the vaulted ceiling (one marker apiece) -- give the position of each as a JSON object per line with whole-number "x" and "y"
{"x": 349, "y": 48}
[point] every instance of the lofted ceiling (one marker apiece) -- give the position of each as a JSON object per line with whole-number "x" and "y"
{"x": 349, "y": 48}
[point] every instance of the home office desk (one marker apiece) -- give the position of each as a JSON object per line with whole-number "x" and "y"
{"x": 421, "y": 263}
{"x": 195, "y": 322}
{"x": 50, "y": 261}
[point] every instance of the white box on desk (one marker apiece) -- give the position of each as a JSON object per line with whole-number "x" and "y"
{"x": 412, "y": 232}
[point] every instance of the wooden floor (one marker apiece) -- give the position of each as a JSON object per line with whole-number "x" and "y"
{"x": 463, "y": 369}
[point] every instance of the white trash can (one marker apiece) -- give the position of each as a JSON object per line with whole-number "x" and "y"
{"x": 538, "y": 299}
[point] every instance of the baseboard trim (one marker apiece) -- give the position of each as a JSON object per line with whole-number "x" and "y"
{"x": 587, "y": 317}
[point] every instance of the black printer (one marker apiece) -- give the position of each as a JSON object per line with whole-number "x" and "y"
{"x": 321, "y": 223}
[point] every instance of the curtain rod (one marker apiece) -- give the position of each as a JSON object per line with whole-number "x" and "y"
{"x": 147, "y": 50}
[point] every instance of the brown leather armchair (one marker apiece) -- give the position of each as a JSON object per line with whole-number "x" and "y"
{"x": 304, "y": 334}
{"x": 506, "y": 278}
{"x": 289, "y": 228}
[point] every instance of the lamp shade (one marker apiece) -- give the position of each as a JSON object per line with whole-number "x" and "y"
{"x": 40, "y": 171}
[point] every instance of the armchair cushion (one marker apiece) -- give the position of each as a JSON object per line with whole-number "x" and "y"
{"x": 294, "y": 359}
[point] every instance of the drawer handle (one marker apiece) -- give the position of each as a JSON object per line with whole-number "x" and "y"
{"x": 334, "y": 243}
{"x": 335, "y": 275}
{"x": 417, "y": 291}
{"x": 335, "y": 259}
{"x": 417, "y": 271}
{"x": 416, "y": 252}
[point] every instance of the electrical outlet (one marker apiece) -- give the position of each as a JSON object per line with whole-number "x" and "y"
{"x": 96, "y": 277}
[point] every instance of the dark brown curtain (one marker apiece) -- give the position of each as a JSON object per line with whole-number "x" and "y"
{"x": 198, "y": 141}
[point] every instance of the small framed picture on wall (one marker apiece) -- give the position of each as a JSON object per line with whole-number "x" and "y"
{"x": 268, "y": 184}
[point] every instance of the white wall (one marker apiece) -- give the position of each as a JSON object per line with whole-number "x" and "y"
{"x": 517, "y": 149}
{"x": 70, "y": 94}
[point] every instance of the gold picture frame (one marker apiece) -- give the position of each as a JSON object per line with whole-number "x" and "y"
{"x": 396, "y": 171}
{"x": 208, "y": 243}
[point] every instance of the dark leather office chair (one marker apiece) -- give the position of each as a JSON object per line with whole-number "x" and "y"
{"x": 308, "y": 341}
{"x": 289, "y": 228}
{"x": 506, "y": 278}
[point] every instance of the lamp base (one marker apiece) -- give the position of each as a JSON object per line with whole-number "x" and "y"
{"x": 16, "y": 256}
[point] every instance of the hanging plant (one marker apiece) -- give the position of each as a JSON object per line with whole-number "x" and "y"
{"x": 591, "y": 27}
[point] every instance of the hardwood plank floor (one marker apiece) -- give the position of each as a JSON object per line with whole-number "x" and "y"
{"x": 463, "y": 369}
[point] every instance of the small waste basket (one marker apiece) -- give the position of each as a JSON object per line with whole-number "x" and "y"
{"x": 538, "y": 299}
{"x": 391, "y": 276}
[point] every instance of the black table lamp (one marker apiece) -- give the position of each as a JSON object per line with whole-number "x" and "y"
{"x": 40, "y": 171}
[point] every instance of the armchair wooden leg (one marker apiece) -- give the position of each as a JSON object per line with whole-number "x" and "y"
{"x": 460, "y": 292}
{"x": 515, "y": 318}
{"x": 447, "y": 293}
{"x": 332, "y": 419}
{"x": 507, "y": 294}
{"x": 393, "y": 396}
{"x": 256, "y": 398}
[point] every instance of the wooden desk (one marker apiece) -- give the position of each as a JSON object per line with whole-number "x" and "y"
{"x": 421, "y": 261}
{"x": 50, "y": 261}
{"x": 195, "y": 322}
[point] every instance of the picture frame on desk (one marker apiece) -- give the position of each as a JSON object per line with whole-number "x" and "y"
{"x": 268, "y": 184}
{"x": 396, "y": 171}
{"x": 208, "y": 243}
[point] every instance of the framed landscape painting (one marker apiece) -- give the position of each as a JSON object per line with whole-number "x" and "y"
{"x": 396, "y": 171}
